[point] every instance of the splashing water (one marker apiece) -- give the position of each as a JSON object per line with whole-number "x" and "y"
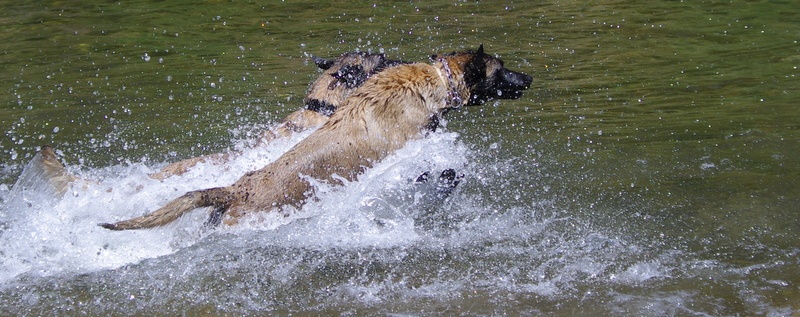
{"x": 45, "y": 236}
{"x": 359, "y": 246}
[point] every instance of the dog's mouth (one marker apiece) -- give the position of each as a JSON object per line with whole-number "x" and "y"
{"x": 510, "y": 84}
{"x": 504, "y": 84}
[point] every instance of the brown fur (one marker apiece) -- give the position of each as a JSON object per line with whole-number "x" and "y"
{"x": 381, "y": 116}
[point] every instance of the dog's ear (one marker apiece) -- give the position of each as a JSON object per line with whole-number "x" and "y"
{"x": 475, "y": 76}
{"x": 322, "y": 63}
{"x": 478, "y": 63}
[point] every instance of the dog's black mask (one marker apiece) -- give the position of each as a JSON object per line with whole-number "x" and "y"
{"x": 492, "y": 80}
{"x": 510, "y": 84}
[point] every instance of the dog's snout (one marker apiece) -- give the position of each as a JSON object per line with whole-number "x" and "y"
{"x": 516, "y": 78}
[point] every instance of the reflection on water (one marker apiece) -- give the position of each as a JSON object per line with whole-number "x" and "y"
{"x": 650, "y": 170}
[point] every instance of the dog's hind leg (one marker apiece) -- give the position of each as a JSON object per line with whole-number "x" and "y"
{"x": 217, "y": 197}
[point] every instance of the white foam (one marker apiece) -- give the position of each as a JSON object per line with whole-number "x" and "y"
{"x": 46, "y": 236}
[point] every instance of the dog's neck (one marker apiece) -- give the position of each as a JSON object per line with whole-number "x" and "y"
{"x": 455, "y": 100}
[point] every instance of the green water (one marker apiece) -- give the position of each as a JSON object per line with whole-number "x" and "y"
{"x": 672, "y": 122}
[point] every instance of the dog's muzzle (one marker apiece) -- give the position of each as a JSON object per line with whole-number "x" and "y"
{"x": 511, "y": 84}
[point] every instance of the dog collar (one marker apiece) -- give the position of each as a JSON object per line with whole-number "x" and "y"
{"x": 321, "y": 107}
{"x": 452, "y": 87}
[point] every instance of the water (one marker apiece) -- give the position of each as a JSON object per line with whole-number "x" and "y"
{"x": 651, "y": 170}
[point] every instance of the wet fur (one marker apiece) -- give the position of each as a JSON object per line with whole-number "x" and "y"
{"x": 388, "y": 110}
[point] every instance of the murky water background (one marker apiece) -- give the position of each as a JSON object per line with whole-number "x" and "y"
{"x": 651, "y": 170}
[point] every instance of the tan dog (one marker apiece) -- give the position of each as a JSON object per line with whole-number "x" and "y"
{"x": 380, "y": 117}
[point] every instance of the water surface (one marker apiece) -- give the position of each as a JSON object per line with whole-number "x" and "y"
{"x": 651, "y": 169}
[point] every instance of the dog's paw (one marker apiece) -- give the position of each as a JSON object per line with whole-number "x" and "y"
{"x": 444, "y": 185}
{"x": 430, "y": 197}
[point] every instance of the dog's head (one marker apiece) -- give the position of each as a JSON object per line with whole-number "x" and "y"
{"x": 485, "y": 77}
{"x": 344, "y": 74}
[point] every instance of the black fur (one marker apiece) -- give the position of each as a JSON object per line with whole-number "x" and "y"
{"x": 322, "y": 63}
{"x": 475, "y": 75}
{"x": 354, "y": 76}
{"x": 324, "y": 108}
{"x": 351, "y": 76}
{"x": 501, "y": 84}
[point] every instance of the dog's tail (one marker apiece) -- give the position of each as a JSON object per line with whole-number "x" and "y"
{"x": 217, "y": 197}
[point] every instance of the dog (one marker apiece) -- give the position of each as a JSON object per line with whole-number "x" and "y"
{"x": 340, "y": 77}
{"x": 391, "y": 108}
